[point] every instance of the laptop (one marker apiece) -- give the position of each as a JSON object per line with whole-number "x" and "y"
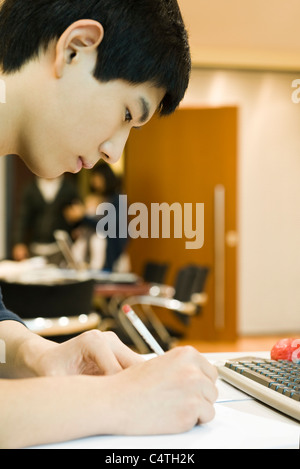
{"x": 64, "y": 243}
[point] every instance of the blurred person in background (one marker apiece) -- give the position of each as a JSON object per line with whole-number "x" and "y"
{"x": 104, "y": 253}
{"x": 41, "y": 213}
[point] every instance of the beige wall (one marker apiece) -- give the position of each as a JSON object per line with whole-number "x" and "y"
{"x": 244, "y": 33}
{"x": 269, "y": 189}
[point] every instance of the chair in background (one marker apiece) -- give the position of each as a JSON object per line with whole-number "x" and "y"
{"x": 57, "y": 311}
{"x": 190, "y": 286}
{"x": 155, "y": 274}
{"x": 186, "y": 302}
{"x": 151, "y": 282}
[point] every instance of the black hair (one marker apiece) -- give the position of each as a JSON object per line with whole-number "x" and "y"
{"x": 144, "y": 40}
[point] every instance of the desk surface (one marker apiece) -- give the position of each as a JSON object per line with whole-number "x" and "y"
{"x": 240, "y": 423}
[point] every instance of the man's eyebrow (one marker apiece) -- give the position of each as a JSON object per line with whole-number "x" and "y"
{"x": 145, "y": 110}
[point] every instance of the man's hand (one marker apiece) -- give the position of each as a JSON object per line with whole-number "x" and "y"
{"x": 20, "y": 252}
{"x": 168, "y": 394}
{"x": 130, "y": 396}
{"x": 91, "y": 353}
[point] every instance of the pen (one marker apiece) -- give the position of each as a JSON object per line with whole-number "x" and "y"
{"x": 142, "y": 330}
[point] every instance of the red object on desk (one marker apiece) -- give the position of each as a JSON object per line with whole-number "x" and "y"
{"x": 286, "y": 349}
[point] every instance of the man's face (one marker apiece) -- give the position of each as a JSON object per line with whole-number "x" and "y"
{"x": 76, "y": 123}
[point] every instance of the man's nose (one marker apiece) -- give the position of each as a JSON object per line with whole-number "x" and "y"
{"x": 112, "y": 150}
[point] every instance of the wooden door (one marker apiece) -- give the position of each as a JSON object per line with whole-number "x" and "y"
{"x": 191, "y": 158}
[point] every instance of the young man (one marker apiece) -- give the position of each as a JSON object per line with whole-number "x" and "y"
{"x": 77, "y": 77}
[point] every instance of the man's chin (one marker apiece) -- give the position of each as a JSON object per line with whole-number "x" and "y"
{"x": 42, "y": 171}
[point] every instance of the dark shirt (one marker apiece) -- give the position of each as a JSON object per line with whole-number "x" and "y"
{"x": 5, "y": 314}
{"x": 38, "y": 219}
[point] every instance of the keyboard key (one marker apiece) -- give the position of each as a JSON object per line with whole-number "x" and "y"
{"x": 281, "y": 376}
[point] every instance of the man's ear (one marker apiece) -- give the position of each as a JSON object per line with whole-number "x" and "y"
{"x": 81, "y": 36}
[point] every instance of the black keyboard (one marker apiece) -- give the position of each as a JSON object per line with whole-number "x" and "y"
{"x": 276, "y": 383}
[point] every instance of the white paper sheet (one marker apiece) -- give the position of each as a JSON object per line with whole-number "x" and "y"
{"x": 231, "y": 429}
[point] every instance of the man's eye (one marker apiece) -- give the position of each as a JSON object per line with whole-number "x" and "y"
{"x": 128, "y": 116}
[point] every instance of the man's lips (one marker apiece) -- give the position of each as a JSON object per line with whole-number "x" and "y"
{"x": 86, "y": 164}
{"x": 82, "y": 163}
